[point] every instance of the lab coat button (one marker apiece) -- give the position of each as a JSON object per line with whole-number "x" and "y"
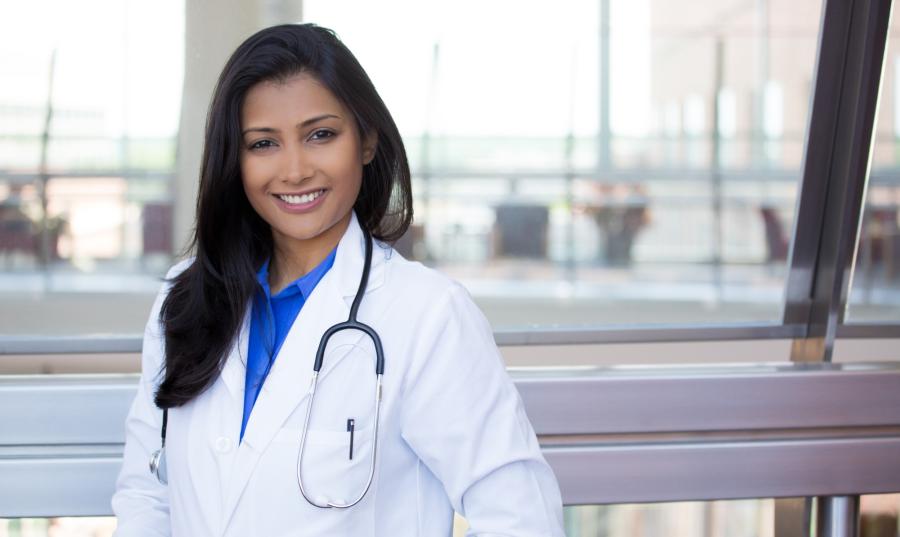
{"x": 223, "y": 444}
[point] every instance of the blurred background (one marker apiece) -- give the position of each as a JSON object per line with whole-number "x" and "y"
{"x": 577, "y": 165}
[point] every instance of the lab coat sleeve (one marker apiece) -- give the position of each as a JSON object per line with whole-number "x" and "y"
{"x": 140, "y": 502}
{"x": 465, "y": 420}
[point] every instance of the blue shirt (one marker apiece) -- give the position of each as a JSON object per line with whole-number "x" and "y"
{"x": 270, "y": 322}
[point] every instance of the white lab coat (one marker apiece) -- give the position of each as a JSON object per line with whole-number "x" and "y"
{"x": 453, "y": 433}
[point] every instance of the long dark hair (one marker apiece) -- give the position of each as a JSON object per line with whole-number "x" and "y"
{"x": 205, "y": 307}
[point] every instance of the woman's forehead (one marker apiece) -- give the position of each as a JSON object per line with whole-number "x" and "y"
{"x": 292, "y": 99}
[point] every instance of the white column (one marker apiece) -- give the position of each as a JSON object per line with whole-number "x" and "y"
{"x": 213, "y": 29}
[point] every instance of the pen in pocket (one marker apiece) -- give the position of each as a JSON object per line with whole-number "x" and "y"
{"x": 351, "y": 425}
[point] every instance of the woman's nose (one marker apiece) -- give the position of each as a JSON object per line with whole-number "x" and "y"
{"x": 296, "y": 166}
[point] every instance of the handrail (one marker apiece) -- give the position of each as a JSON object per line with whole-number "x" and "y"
{"x": 557, "y": 335}
{"x": 612, "y": 435}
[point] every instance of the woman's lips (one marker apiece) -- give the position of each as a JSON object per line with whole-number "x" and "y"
{"x": 300, "y": 202}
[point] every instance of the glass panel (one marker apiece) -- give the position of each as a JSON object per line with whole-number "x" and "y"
{"x": 875, "y": 291}
{"x": 733, "y": 518}
{"x": 879, "y": 514}
{"x": 88, "y": 125}
{"x": 591, "y": 163}
{"x": 639, "y": 167}
{"x": 58, "y": 527}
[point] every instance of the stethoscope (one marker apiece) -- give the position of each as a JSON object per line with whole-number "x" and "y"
{"x": 158, "y": 459}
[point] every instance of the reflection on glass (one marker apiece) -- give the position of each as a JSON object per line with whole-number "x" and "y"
{"x": 602, "y": 162}
{"x": 734, "y": 518}
{"x": 637, "y": 164}
{"x": 879, "y": 515}
{"x": 875, "y": 291}
{"x": 58, "y": 527}
{"x": 88, "y": 124}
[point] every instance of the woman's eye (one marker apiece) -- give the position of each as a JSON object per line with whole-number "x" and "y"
{"x": 262, "y": 144}
{"x": 321, "y": 134}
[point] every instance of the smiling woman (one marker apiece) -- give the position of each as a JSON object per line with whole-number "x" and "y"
{"x": 303, "y": 166}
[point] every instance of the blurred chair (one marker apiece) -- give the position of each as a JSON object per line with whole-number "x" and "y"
{"x": 521, "y": 231}
{"x": 776, "y": 239}
{"x": 621, "y": 213}
{"x": 17, "y": 232}
{"x": 878, "y": 525}
{"x": 880, "y": 240}
{"x": 157, "y": 228}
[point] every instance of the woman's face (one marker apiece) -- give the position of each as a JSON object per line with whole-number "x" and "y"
{"x": 301, "y": 162}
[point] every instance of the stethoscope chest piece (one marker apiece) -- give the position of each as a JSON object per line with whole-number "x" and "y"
{"x": 158, "y": 466}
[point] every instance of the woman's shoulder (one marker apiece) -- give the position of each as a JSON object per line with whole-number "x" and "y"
{"x": 426, "y": 292}
{"x": 179, "y": 267}
{"x": 415, "y": 279}
{"x": 154, "y": 322}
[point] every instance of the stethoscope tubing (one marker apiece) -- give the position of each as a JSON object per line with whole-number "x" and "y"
{"x": 157, "y": 459}
{"x": 350, "y": 324}
{"x": 327, "y": 504}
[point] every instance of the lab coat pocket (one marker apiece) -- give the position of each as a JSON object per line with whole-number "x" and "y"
{"x": 329, "y": 475}
{"x": 337, "y": 456}
{"x": 336, "y": 465}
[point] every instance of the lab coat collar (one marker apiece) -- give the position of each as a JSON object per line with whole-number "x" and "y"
{"x": 349, "y": 260}
{"x": 287, "y": 385}
{"x": 347, "y": 270}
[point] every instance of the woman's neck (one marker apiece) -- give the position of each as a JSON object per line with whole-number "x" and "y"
{"x": 293, "y": 258}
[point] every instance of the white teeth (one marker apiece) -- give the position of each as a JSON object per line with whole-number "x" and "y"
{"x": 297, "y": 200}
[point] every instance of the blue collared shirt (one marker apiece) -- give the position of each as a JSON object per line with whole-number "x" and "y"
{"x": 270, "y": 322}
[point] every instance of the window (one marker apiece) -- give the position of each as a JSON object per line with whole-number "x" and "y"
{"x": 875, "y": 292}
{"x": 599, "y": 163}
{"x": 89, "y": 116}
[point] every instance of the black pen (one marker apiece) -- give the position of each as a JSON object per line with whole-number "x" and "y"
{"x": 351, "y": 425}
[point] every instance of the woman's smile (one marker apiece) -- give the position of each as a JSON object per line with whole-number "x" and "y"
{"x": 301, "y": 202}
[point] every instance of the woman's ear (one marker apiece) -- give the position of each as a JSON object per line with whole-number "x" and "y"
{"x": 369, "y": 145}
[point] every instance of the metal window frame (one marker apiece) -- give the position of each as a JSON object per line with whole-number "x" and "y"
{"x": 109, "y": 344}
{"x": 612, "y": 435}
{"x": 850, "y": 64}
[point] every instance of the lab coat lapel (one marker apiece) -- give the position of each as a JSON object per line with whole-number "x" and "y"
{"x": 288, "y": 382}
{"x": 235, "y": 369}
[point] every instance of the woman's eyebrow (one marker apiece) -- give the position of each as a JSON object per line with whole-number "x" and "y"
{"x": 305, "y": 123}
{"x": 312, "y": 120}
{"x": 258, "y": 129}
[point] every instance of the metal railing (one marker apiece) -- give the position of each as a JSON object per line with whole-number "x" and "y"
{"x": 612, "y": 435}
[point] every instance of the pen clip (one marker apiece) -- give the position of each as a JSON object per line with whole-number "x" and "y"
{"x": 351, "y": 426}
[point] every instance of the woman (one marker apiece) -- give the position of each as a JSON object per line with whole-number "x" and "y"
{"x": 303, "y": 162}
